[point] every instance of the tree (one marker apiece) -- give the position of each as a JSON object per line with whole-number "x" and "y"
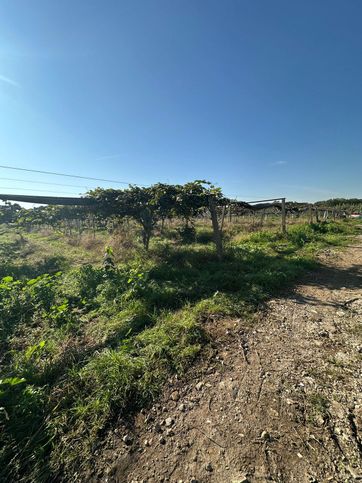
{"x": 197, "y": 196}
{"x": 148, "y": 205}
{"x": 145, "y": 205}
{"x": 9, "y": 212}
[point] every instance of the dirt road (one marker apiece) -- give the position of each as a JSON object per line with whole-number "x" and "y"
{"x": 279, "y": 401}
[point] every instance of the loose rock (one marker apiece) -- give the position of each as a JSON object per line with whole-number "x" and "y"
{"x": 209, "y": 467}
{"x": 158, "y": 428}
{"x": 127, "y": 439}
{"x": 175, "y": 396}
{"x": 169, "y": 422}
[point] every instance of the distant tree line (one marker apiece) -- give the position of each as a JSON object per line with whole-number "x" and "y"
{"x": 347, "y": 204}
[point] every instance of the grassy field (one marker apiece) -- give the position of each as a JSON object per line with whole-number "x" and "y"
{"x": 89, "y": 334}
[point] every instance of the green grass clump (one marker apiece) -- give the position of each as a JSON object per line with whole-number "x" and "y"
{"x": 317, "y": 406}
{"x": 84, "y": 347}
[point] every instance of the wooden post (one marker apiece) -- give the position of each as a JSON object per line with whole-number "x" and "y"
{"x": 310, "y": 212}
{"x": 215, "y": 226}
{"x": 262, "y": 218}
{"x": 222, "y": 218}
{"x": 316, "y": 215}
{"x": 284, "y": 217}
{"x": 230, "y": 213}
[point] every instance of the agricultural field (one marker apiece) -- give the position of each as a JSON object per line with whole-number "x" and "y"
{"x": 94, "y": 322}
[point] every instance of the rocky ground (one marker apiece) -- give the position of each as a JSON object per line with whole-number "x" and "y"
{"x": 276, "y": 400}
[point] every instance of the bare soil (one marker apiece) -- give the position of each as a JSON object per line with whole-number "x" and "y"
{"x": 276, "y": 400}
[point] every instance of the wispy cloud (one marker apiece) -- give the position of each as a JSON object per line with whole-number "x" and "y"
{"x": 278, "y": 163}
{"x": 108, "y": 156}
{"x": 9, "y": 81}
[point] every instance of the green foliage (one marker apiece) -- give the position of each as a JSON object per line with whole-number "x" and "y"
{"x": 350, "y": 204}
{"x": 14, "y": 251}
{"x": 9, "y": 212}
{"x": 108, "y": 260}
{"x": 187, "y": 234}
{"x": 204, "y": 235}
{"x": 22, "y": 429}
{"x": 302, "y": 234}
{"x": 86, "y": 281}
{"x": 147, "y": 206}
{"x": 56, "y": 217}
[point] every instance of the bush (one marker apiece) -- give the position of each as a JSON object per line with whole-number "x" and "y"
{"x": 204, "y": 236}
{"x": 187, "y": 234}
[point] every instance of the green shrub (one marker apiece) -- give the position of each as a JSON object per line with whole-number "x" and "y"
{"x": 204, "y": 236}
{"x": 265, "y": 236}
{"x": 187, "y": 234}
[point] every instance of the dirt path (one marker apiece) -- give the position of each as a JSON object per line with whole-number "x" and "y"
{"x": 281, "y": 401}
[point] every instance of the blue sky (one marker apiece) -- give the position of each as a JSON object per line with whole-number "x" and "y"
{"x": 264, "y": 98}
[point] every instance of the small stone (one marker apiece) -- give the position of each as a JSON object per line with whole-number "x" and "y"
{"x": 208, "y": 467}
{"x": 182, "y": 408}
{"x": 199, "y": 385}
{"x": 175, "y": 396}
{"x": 162, "y": 440}
{"x": 127, "y": 439}
{"x": 319, "y": 420}
{"x": 194, "y": 459}
{"x": 146, "y": 442}
{"x": 169, "y": 432}
{"x": 265, "y": 436}
{"x": 149, "y": 418}
{"x": 169, "y": 422}
{"x": 299, "y": 455}
{"x": 323, "y": 333}
{"x": 158, "y": 428}
{"x": 194, "y": 480}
